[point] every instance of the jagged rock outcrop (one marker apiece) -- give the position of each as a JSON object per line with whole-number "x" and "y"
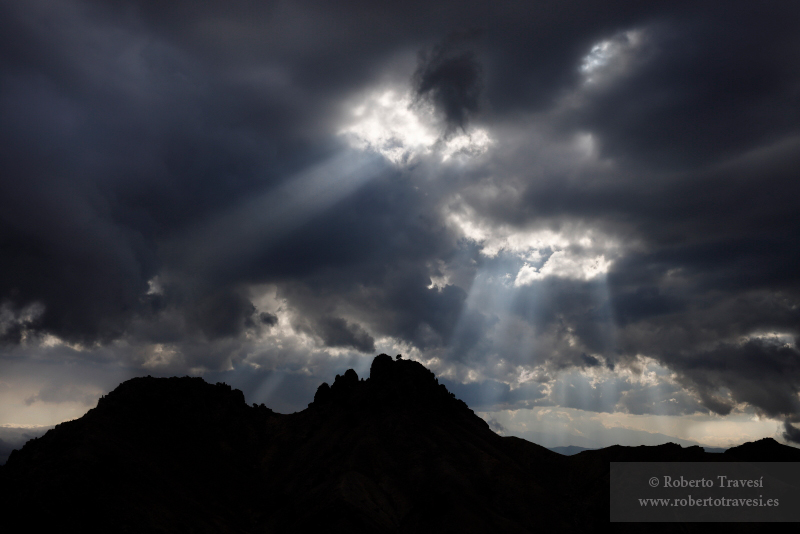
{"x": 398, "y": 452}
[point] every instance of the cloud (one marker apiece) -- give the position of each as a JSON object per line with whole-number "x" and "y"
{"x": 791, "y": 433}
{"x": 451, "y": 77}
{"x": 15, "y": 324}
{"x": 494, "y": 395}
{"x": 336, "y": 332}
{"x": 223, "y": 315}
{"x": 561, "y": 264}
{"x": 761, "y": 373}
{"x": 56, "y": 393}
{"x": 268, "y": 319}
{"x": 496, "y": 426}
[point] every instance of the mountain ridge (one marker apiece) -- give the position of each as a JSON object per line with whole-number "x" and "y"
{"x": 395, "y": 452}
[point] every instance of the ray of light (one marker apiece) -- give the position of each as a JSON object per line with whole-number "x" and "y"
{"x": 246, "y": 230}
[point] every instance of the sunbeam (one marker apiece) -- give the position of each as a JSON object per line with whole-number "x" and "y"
{"x": 245, "y": 231}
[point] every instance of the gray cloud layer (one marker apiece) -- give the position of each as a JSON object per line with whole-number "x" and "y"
{"x": 143, "y": 139}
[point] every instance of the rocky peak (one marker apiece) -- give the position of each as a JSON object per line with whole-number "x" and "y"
{"x": 391, "y": 383}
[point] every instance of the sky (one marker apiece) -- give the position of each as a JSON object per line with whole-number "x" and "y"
{"x": 582, "y": 216}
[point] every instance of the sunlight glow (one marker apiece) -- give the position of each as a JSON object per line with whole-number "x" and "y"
{"x": 154, "y": 286}
{"x": 468, "y": 145}
{"x": 564, "y": 265}
{"x": 267, "y": 217}
{"x": 575, "y": 253}
{"x": 387, "y": 124}
{"x": 780, "y": 339}
{"x": 611, "y": 56}
{"x": 160, "y": 356}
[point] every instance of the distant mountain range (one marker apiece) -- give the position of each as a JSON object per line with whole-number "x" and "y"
{"x": 396, "y": 452}
{"x": 569, "y": 450}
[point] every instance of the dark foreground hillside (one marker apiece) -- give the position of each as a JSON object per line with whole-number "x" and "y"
{"x": 393, "y": 453}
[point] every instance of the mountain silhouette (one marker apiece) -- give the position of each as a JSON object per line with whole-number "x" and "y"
{"x": 396, "y": 452}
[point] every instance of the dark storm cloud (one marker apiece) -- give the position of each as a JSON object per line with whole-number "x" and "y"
{"x": 269, "y": 319}
{"x": 450, "y": 77}
{"x": 136, "y": 135}
{"x": 87, "y": 129}
{"x": 336, "y": 332}
{"x": 396, "y": 302}
{"x": 710, "y": 84}
{"x": 763, "y": 373}
{"x": 223, "y": 315}
{"x": 791, "y": 433}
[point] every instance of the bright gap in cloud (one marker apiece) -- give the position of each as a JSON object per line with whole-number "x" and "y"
{"x": 160, "y": 356}
{"x": 392, "y": 124}
{"x": 154, "y": 286}
{"x": 610, "y": 56}
{"x": 575, "y": 253}
{"x": 781, "y": 339}
{"x": 564, "y": 265}
{"x": 386, "y": 123}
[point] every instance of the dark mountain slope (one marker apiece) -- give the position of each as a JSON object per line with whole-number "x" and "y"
{"x": 399, "y": 452}
{"x": 393, "y": 453}
{"x": 155, "y": 454}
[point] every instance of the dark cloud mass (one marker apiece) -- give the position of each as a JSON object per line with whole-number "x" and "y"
{"x": 791, "y": 433}
{"x": 451, "y": 77}
{"x": 267, "y": 318}
{"x": 580, "y": 204}
{"x": 336, "y": 332}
